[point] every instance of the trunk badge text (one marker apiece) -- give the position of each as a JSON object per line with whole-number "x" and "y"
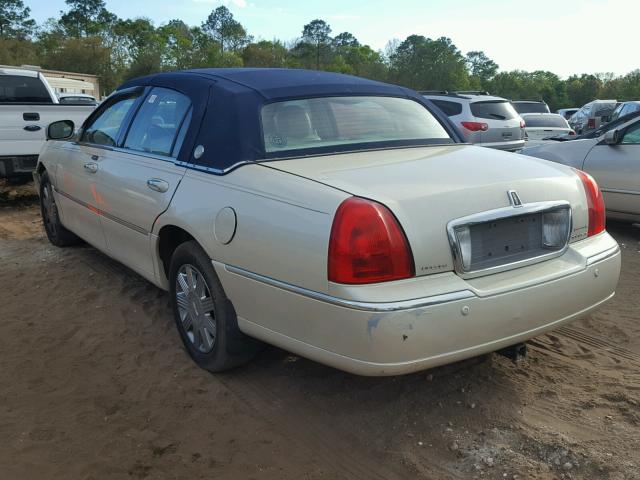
{"x": 514, "y": 199}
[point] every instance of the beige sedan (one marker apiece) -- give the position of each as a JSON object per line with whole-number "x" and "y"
{"x": 335, "y": 217}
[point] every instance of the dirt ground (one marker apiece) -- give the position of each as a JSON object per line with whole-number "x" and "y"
{"x": 95, "y": 385}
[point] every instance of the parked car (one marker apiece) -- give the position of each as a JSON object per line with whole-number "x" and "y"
{"x": 625, "y": 108}
{"x": 541, "y": 126}
{"x": 335, "y": 217}
{"x": 592, "y": 115}
{"x": 612, "y": 159}
{"x": 77, "y": 99}
{"x": 567, "y": 112}
{"x": 27, "y": 105}
{"x": 598, "y": 132}
{"x": 482, "y": 119}
{"x": 530, "y": 106}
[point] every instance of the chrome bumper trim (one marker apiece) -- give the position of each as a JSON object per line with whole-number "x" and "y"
{"x": 603, "y": 255}
{"x": 341, "y": 302}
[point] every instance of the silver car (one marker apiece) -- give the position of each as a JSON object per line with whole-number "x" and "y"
{"x": 541, "y": 126}
{"x": 592, "y": 115}
{"x": 481, "y": 118}
{"x": 612, "y": 159}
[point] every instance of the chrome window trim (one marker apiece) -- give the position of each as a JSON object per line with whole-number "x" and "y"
{"x": 500, "y": 214}
{"x": 354, "y": 304}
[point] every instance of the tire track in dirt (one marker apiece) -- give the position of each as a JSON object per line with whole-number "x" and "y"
{"x": 316, "y": 434}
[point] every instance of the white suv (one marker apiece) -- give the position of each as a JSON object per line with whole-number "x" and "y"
{"x": 481, "y": 118}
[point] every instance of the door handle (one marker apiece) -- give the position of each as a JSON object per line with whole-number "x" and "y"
{"x": 91, "y": 167}
{"x": 157, "y": 185}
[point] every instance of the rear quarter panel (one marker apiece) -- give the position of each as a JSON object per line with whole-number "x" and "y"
{"x": 283, "y": 221}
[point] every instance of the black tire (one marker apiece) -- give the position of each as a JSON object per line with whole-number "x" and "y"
{"x": 56, "y": 232}
{"x": 229, "y": 347}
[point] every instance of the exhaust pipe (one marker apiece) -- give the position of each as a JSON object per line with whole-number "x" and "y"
{"x": 515, "y": 353}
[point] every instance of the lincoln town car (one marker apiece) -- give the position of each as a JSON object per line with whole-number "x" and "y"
{"x": 338, "y": 218}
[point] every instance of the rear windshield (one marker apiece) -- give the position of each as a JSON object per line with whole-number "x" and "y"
{"x": 78, "y": 100}
{"x": 494, "y": 109}
{"x": 348, "y": 123}
{"x": 20, "y": 89}
{"x": 534, "y": 107}
{"x": 550, "y": 121}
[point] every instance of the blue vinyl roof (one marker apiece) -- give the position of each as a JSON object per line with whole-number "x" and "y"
{"x": 227, "y": 103}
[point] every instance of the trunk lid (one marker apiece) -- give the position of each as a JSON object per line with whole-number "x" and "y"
{"x": 428, "y": 187}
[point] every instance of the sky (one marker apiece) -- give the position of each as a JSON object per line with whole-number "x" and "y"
{"x": 565, "y": 37}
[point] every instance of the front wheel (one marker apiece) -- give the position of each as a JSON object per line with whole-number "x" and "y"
{"x": 56, "y": 232}
{"x": 204, "y": 316}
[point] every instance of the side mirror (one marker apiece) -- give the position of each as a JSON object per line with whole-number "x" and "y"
{"x": 612, "y": 137}
{"x": 60, "y": 130}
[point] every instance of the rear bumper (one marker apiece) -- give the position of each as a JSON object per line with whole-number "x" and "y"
{"x": 403, "y": 336}
{"x": 16, "y": 165}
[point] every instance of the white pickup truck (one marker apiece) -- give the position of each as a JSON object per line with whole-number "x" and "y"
{"x": 28, "y": 105}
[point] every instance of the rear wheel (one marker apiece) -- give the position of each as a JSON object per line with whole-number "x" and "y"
{"x": 204, "y": 316}
{"x": 56, "y": 232}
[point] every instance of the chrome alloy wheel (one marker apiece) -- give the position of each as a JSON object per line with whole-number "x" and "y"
{"x": 195, "y": 306}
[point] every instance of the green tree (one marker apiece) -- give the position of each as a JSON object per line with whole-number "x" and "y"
{"x": 265, "y": 54}
{"x": 582, "y": 89}
{"x": 481, "y": 67}
{"x": 316, "y": 33}
{"x": 345, "y": 39}
{"x": 14, "y": 19}
{"x": 86, "y": 18}
{"x": 423, "y": 63}
{"x": 225, "y": 30}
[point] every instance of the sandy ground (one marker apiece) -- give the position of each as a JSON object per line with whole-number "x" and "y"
{"x": 95, "y": 385}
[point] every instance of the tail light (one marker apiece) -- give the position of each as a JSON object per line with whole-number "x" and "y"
{"x": 595, "y": 203}
{"x": 475, "y": 126}
{"x": 367, "y": 245}
{"x": 591, "y": 123}
{"x": 522, "y": 124}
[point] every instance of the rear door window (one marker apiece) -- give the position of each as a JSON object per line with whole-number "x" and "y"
{"x": 494, "y": 110}
{"x": 156, "y": 125}
{"x": 21, "y": 89}
{"x": 450, "y": 109}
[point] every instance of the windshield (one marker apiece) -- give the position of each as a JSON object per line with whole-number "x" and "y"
{"x": 494, "y": 109}
{"x": 348, "y": 123}
{"x": 22, "y": 89}
{"x": 548, "y": 121}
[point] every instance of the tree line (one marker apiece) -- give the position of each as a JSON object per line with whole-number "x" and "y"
{"x": 88, "y": 38}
